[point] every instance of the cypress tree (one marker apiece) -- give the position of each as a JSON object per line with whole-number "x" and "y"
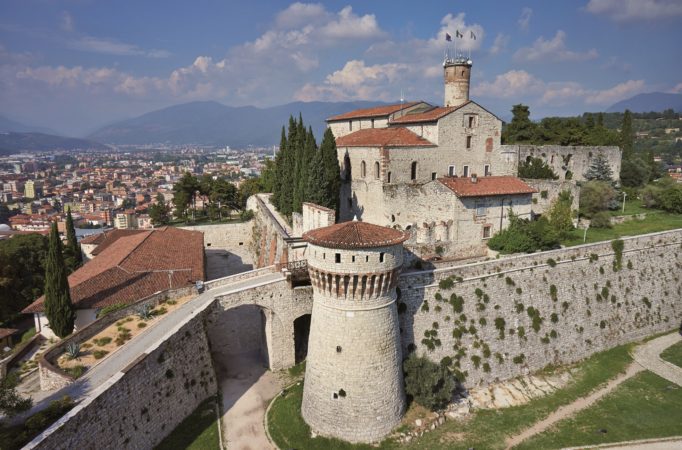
{"x": 288, "y": 171}
{"x": 330, "y": 167}
{"x": 73, "y": 247}
{"x": 315, "y": 188}
{"x": 299, "y": 164}
{"x": 279, "y": 168}
{"x": 58, "y": 307}
{"x": 309, "y": 150}
{"x": 627, "y": 137}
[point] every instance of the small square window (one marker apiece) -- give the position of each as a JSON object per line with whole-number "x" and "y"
{"x": 337, "y": 258}
{"x": 486, "y": 231}
{"x": 353, "y": 258}
{"x": 433, "y": 176}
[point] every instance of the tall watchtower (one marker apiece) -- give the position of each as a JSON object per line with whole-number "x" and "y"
{"x": 353, "y": 382}
{"x": 457, "y": 74}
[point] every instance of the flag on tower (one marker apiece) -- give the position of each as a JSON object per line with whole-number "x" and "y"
{"x": 473, "y": 36}
{"x": 458, "y": 34}
{"x": 448, "y": 37}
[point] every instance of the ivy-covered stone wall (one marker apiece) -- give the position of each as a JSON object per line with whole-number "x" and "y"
{"x": 498, "y": 319}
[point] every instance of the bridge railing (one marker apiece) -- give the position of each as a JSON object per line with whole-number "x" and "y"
{"x": 296, "y": 272}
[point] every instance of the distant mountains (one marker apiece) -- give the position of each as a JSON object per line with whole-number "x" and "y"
{"x": 11, "y": 142}
{"x": 12, "y": 125}
{"x": 655, "y": 101}
{"x": 212, "y": 123}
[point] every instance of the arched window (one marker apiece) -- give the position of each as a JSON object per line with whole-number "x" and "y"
{"x": 413, "y": 171}
{"x": 376, "y": 170}
{"x": 363, "y": 169}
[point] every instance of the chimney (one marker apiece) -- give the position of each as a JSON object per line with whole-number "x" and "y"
{"x": 474, "y": 178}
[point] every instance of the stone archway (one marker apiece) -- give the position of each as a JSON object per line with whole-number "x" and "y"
{"x": 301, "y": 332}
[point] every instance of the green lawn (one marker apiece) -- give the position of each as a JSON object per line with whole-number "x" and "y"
{"x": 654, "y": 222}
{"x": 645, "y": 406}
{"x": 199, "y": 431}
{"x": 673, "y": 355}
{"x": 632, "y": 207}
{"x": 486, "y": 429}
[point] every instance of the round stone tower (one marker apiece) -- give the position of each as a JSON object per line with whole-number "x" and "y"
{"x": 457, "y": 77}
{"x": 353, "y": 380}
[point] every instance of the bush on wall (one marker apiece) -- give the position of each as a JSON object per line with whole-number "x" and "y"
{"x": 429, "y": 384}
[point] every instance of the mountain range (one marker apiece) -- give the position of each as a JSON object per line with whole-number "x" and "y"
{"x": 654, "y": 101}
{"x": 11, "y": 142}
{"x": 212, "y": 123}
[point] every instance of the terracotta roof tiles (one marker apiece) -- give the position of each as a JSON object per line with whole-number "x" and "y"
{"x": 383, "y": 137}
{"x": 134, "y": 266}
{"x": 430, "y": 115}
{"x": 350, "y": 235}
{"x": 486, "y": 186}
{"x": 377, "y": 111}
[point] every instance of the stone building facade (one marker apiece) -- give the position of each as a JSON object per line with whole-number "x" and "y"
{"x": 353, "y": 383}
{"x": 394, "y": 160}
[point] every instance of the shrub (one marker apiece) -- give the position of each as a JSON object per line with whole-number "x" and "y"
{"x": 159, "y": 311}
{"x": 457, "y": 303}
{"x": 553, "y": 292}
{"x": 144, "y": 312}
{"x": 141, "y": 324}
{"x": 596, "y": 196}
{"x": 536, "y": 168}
{"x": 75, "y": 371}
{"x": 99, "y": 354}
{"x": 509, "y": 281}
{"x": 109, "y": 309}
{"x": 500, "y": 324}
{"x": 429, "y": 384}
{"x": 554, "y": 318}
{"x": 102, "y": 341}
{"x": 544, "y": 194}
{"x": 478, "y": 292}
{"x": 601, "y": 220}
{"x": 476, "y": 360}
{"x": 482, "y": 321}
{"x": 618, "y": 245}
{"x": 521, "y": 332}
{"x": 446, "y": 283}
{"x": 519, "y": 359}
{"x": 551, "y": 262}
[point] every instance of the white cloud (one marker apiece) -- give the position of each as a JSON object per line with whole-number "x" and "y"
{"x": 552, "y": 50}
{"x": 523, "y": 86}
{"x": 524, "y": 20}
{"x": 299, "y": 14}
{"x": 677, "y": 89}
{"x": 348, "y": 25}
{"x": 66, "y": 21}
{"x": 500, "y": 44}
{"x": 636, "y": 10}
{"x": 515, "y": 83}
{"x": 616, "y": 93}
{"x": 112, "y": 47}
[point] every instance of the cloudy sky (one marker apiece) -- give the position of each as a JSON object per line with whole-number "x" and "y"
{"x": 76, "y": 65}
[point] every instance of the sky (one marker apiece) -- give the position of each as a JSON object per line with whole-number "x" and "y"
{"x": 76, "y": 65}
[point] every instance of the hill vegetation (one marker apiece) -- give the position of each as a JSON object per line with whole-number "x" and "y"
{"x": 11, "y": 142}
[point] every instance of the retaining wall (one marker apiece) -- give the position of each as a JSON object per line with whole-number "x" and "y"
{"x": 225, "y": 235}
{"x": 579, "y": 305}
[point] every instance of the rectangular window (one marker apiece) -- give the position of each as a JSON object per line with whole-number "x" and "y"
{"x": 465, "y": 171}
{"x": 451, "y": 171}
{"x": 337, "y": 258}
{"x": 480, "y": 209}
{"x": 372, "y": 123}
{"x": 486, "y": 231}
{"x": 468, "y": 142}
{"x": 381, "y": 257}
{"x": 471, "y": 121}
{"x": 353, "y": 258}
{"x": 350, "y": 125}
{"x": 433, "y": 175}
{"x": 486, "y": 169}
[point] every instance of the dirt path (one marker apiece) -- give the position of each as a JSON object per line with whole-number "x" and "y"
{"x": 646, "y": 357}
{"x": 247, "y": 389}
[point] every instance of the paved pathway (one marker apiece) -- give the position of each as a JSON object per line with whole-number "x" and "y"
{"x": 646, "y": 357}
{"x": 120, "y": 359}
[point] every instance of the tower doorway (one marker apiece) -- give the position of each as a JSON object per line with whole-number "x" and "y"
{"x": 301, "y": 333}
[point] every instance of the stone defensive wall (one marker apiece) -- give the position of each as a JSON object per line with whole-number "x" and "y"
{"x": 549, "y": 190}
{"x": 498, "y": 319}
{"x": 568, "y": 162}
{"x": 225, "y": 235}
{"x": 140, "y": 405}
{"x": 52, "y": 377}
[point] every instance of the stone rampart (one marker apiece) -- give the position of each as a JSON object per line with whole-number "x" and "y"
{"x": 515, "y": 315}
{"x": 272, "y": 239}
{"x": 548, "y": 191}
{"x": 225, "y": 235}
{"x": 569, "y": 162}
{"x": 143, "y": 403}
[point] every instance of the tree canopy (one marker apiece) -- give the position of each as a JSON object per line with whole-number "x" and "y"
{"x": 58, "y": 307}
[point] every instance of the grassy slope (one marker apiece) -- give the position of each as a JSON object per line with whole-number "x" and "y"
{"x": 673, "y": 355}
{"x": 642, "y": 407}
{"x": 199, "y": 431}
{"x": 654, "y": 222}
{"x": 485, "y": 429}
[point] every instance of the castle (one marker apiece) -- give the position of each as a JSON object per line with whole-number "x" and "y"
{"x": 442, "y": 173}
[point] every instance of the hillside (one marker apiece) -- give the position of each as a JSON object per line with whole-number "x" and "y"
{"x": 212, "y": 123}
{"x": 655, "y": 101}
{"x": 12, "y": 125}
{"x": 18, "y": 142}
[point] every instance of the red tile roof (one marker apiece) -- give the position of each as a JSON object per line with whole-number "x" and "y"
{"x": 486, "y": 186}
{"x": 349, "y": 235}
{"x": 4, "y": 332}
{"x": 377, "y": 111}
{"x": 104, "y": 240}
{"x": 430, "y": 115}
{"x": 135, "y": 266}
{"x": 383, "y": 137}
